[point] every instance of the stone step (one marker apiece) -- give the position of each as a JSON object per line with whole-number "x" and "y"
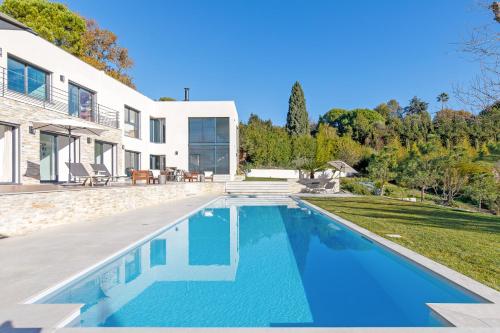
{"x": 258, "y": 187}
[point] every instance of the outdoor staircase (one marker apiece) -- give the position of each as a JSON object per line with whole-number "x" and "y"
{"x": 258, "y": 188}
{"x": 260, "y": 200}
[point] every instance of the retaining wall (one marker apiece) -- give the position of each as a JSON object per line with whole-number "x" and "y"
{"x": 22, "y": 213}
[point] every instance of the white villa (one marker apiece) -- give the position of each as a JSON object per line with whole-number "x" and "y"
{"x": 41, "y": 82}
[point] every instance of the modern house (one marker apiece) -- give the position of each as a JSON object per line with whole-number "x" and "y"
{"x": 40, "y": 82}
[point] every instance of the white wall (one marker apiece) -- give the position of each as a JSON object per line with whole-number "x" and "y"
{"x": 274, "y": 173}
{"x": 115, "y": 95}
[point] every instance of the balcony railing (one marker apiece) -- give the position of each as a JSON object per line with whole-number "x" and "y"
{"x": 38, "y": 93}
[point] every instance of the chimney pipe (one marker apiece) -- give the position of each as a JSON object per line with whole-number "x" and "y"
{"x": 186, "y": 94}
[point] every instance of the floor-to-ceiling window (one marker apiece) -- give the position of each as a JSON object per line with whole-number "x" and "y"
{"x": 7, "y": 154}
{"x": 81, "y": 102}
{"x": 132, "y": 161}
{"x": 105, "y": 154}
{"x": 209, "y": 145}
{"x": 27, "y": 79}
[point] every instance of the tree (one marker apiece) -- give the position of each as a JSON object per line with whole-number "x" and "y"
{"x": 416, "y": 106}
{"x": 483, "y": 48}
{"x": 51, "y": 21}
{"x": 382, "y": 167}
{"x": 166, "y": 99}
{"x": 264, "y": 145}
{"x": 455, "y": 168}
{"x": 304, "y": 154}
{"x": 482, "y": 185}
{"x": 73, "y": 33}
{"x": 443, "y": 98}
{"x": 350, "y": 151}
{"x": 326, "y": 138}
{"x": 453, "y": 127}
{"x": 297, "y": 119}
{"x": 102, "y": 51}
{"x": 420, "y": 168}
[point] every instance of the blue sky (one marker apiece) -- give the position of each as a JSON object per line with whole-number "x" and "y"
{"x": 346, "y": 54}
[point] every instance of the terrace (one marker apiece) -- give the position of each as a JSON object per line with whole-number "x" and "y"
{"x": 30, "y": 87}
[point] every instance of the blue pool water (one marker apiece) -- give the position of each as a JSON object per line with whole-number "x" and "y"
{"x": 240, "y": 263}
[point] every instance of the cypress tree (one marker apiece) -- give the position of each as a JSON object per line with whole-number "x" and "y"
{"x": 297, "y": 119}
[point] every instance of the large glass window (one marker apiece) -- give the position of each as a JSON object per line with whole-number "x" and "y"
{"x": 132, "y": 161}
{"x": 209, "y": 145}
{"x": 157, "y": 130}
{"x": 27, "y": 79}
{"x": 132, "y": 122}
{"x": 157, "y": 162}
{"x": 81, "y": 102}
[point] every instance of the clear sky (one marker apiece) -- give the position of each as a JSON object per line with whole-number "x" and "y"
{"x": 345, "y": 53}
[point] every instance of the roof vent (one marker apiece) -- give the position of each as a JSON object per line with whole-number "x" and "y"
{"x": 186, "y": 94}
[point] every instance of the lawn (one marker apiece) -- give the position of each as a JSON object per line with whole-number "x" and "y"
{"x": 466, "y": 242}
{"x": 264, "y": 179}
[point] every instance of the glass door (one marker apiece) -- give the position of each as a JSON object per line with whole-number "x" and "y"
{"x": 48, "y": 157}
{"x": 7, "y": 154}
{"x": 105, "y": 154}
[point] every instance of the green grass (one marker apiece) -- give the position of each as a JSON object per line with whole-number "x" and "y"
{"x": 264, "y": 179}
{"x": 466, "y": 242}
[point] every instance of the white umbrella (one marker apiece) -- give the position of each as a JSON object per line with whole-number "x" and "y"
{"x": 70, "y": 126}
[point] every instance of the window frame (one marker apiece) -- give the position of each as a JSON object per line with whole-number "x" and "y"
{"x": 162, "y": 130}
{"x": 26, "y": 65}
{"x": 93, "y": 102}
{"x": 138, "y": 159}
{"x": 137, "y": 126}
{"x": 161, "y": 158}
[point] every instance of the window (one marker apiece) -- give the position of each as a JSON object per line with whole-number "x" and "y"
{"x": 158, "y": 252}
{"x": 81, "y": 102}
{"x": 209, "y": 145}
{"x": 27, "y": 79}
{"x": 157, "y": 130}
{"x": 132, "y": 122}
{"x": 132, "y": 161}
{"x": 157, "y": 162}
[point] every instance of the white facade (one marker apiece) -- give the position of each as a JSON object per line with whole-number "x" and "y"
{"x": 63, "y": 68}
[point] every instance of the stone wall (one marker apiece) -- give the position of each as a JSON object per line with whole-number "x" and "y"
{"x": 23, "y": 114}
{"x": 26, "y": 212}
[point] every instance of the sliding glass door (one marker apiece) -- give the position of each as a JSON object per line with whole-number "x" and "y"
{"x": 105, "y": 154}
{"x": 48, "y": 157}
{"x": 7, "y": 154}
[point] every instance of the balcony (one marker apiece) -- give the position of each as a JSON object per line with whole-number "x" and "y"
{"x": 43, "y": 95}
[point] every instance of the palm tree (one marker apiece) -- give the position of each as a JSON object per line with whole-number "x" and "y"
{"x": 443, "y": 98}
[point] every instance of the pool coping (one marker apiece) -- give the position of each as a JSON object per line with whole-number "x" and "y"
{"x": 458, "y": 314}
{"x": 465, "y": 317}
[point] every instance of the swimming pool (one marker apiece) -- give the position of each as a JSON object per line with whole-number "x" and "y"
{"x": 253, "y": 262}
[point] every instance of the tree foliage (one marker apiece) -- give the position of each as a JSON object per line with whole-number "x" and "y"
{"x": 79, "y": 36}
{"x": 297, "y": 119}
{"x": 51, "y": 21}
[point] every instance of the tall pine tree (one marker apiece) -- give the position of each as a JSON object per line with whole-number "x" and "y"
{"x": 297, "y": 119}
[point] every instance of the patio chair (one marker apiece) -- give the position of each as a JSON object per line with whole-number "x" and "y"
{"x": 101, "y": 170}
{"x": 154, "y": 176}
{"x": 78, "y": 171}
{"x": 208, "y": 175}
{"x": 325, "y": 188}
{"x": 190, "y": 176}
{"x": 140, "y": 175}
